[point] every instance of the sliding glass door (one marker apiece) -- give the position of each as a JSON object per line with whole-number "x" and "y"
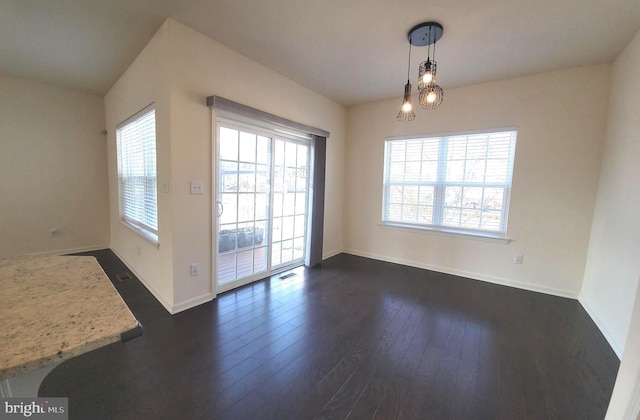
{"x": 262, "y": 194}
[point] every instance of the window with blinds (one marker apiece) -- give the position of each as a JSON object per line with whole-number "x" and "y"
{"x": 456, "y": 183}
{"x": 137, "y": 180}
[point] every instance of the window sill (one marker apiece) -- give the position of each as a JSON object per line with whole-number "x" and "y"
{"x": 148, "y": 236}
{"x": 452, "y": 233}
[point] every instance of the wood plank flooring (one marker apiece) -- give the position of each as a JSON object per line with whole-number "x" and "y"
{"x": 356, "y": 339}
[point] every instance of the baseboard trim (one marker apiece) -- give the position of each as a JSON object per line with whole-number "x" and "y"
{"x": 192, "y": 303}
{"x": 615, "y": 345}
{"x": 71, "y": 250}
{"x": 633, "y": 410}
{"x": 468, "y": 274}
{"x": 331, "y": 254}
{"x": 146, "y": 284}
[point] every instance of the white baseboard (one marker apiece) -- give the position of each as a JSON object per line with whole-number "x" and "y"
{"x": 633, "y": 410}
{"x": 72, "y": 250}
{"x": 615, "y": 345}
{"x": 192, "y": 303}
{"x": 146, "y": 284}
{"x": 471, "y": 275}
{"x": 172, "y": 309}
{"x": 331, "y": 254}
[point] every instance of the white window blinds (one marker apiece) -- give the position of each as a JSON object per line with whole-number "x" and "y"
{"x": 455, "y": 183}
{"x": 137, "y": 180}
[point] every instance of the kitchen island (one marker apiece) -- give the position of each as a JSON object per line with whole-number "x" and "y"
{"x": 53, "y": 308}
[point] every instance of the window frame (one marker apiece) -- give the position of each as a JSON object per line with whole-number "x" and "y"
{"x": 143, "y": 229}
{"x": 440, "y": 184}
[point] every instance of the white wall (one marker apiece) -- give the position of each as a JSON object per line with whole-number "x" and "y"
{"x": 144, "y": 82}
{"x": 178, "y": 70}
{"x": 53, "y": 171}
{"x": 625, "y": 400}
{"x": 560, "y": 131}
{"x": 613, "y": 264}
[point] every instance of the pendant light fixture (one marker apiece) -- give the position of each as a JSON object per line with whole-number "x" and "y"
{"x": 430, "y": 93}
{"x": 406, "y": 110}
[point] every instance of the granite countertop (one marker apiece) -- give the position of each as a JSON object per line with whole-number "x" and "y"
{"x": 53, "y": 308}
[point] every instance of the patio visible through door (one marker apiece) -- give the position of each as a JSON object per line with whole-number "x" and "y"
{"x": 262, "y": 186}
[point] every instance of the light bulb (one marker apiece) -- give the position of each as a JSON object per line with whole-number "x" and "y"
{"x": 427, "y": 77}
{"x": 406, "y": 107}
{"x": 431, "y": 97}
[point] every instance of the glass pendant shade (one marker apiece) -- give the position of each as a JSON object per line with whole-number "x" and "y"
{"x": 431, "y": 96}
{"x": 406, "y": 110}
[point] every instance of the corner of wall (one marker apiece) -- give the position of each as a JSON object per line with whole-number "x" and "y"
{"x": 615, "y": 344}
{"x": 144, "y": 82}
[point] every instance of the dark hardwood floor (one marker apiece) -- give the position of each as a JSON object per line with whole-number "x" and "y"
{"x": 357, "y": 339}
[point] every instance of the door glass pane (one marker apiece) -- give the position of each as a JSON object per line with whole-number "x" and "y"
{"x": 245, "y": 263}
{"x": 247, "y": 177}
{"x": 298, "y": 248}
{"x": 263, "y": 152}
{"x": 288, "y": 206}
{"x": 262, "y": 204}
{"x": 301, "y": 203}
{"x": 277, "y": 229}
{"x": 299, "y": 226}
{"x": 228, "y": 176}
{"x": 279, "y": 155}
{"x": 276, "y": 254}
{"x": 226, "y": 268}
{"x": 287, "y": 227}
{"x": 228, "y": 144}
{"x": 260, "y": 259}
{"x": 247, "y": 147}
{"x": 277, "y": 204}
{"x": 246, "y": 207}
{"x": 287, "y": 251}
{"x": 230, "y": 207}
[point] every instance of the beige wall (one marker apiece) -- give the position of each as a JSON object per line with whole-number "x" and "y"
{"x": 613, "y": 265}
{"x": 53, "y": 171}
{"x": 146, "y": 81}
{"x": 200, "y": 68}
{"x": 178, "y": 70}
{"x": 560, "y": 132}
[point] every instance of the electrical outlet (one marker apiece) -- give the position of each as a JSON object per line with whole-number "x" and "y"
{"x": 518, "y": 258}
{"x": 195, "y": 269}
{"x": 54, "y": 232}
{"x": 197, "y": 187}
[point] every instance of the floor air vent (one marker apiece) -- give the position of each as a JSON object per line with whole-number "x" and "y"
{"x": 124, "y": 277}
{"x": 286, "y": 276}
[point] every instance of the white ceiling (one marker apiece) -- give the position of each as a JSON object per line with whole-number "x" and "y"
{"x": 352, "y": 51}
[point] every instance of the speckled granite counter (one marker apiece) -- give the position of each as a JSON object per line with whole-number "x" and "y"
{"x": 53, "y": 308}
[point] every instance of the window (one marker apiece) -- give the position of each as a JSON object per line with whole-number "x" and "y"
{"x": 137, "y": 180}
{"x": 455, "y": 183}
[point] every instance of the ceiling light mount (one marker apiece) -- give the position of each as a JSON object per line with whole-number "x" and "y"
{"x": 425, "y": 34}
